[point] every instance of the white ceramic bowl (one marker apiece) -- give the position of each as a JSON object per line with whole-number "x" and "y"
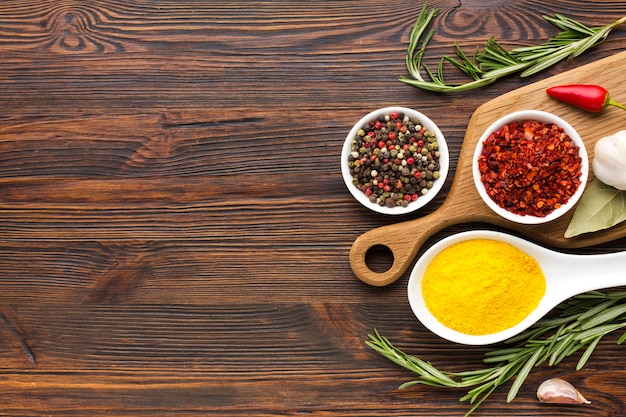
{"x": 421, "y": 200}
{"x": 544, "y": 117}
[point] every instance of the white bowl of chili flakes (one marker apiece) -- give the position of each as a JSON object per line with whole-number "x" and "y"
{"x": 530, "y": 167}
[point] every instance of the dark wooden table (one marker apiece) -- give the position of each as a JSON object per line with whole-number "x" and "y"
{"x": 174, "y": 229}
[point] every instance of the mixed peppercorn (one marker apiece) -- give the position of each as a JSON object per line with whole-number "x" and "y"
{"x": 530, "y": 168}
{"x": 394, "y": 160}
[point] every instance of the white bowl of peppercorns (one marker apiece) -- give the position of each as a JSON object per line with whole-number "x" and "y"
{"x": 394, "y": 160}
{"x": 530, "y": 167}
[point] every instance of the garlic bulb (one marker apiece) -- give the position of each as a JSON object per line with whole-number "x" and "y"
{"x": 559, "y": 391}
{"x": 609, "y": 161}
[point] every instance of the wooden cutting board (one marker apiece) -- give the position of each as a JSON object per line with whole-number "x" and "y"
{"x": 463, "y": 204}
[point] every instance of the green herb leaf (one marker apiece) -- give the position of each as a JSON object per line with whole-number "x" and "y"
{"x": 600, "y": 207}
{"x": 523, "y": 374}
{"x": 605, "y": 316}
{"x": 492, "y": 61}
{"x": 585, "y": 356}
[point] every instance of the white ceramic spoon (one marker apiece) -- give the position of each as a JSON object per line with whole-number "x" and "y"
{"x": 566, "y": 275}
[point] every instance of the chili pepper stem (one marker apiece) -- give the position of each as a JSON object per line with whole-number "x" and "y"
{"x": 616, "y": 104}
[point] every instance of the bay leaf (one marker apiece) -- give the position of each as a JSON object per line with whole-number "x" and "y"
{"x": 600, "y": 207}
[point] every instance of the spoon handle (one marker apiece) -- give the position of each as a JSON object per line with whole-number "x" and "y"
{"x": 576, "y": 274}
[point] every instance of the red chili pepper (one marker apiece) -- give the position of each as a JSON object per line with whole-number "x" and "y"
{"x": 593, "y": 98}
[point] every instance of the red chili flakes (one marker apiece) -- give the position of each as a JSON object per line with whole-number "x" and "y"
{"x": 531, "y": 168}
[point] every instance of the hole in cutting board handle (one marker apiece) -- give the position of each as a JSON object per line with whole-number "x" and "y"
{"x": 379, "y": 258}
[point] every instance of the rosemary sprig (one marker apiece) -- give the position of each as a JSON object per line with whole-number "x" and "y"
{"x": 493, "y": 61}
{"x": 582, "y": 322}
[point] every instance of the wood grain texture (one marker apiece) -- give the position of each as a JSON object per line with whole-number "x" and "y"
{"x": 464, "y": 204}
{"x": 174, "y": 229}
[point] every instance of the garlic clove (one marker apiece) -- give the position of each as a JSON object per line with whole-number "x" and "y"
{"x": 559, "y": 391}
{"x": 609, "y": 161}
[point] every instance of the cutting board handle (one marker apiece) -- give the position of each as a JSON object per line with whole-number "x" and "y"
{"x": 403, "y": 240}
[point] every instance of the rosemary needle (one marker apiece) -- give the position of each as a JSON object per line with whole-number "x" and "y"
{"x": 492, "y": 61}
{"x": 581, "y": 323}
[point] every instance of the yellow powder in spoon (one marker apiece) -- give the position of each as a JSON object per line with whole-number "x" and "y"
{"x": 482, "y": 286}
